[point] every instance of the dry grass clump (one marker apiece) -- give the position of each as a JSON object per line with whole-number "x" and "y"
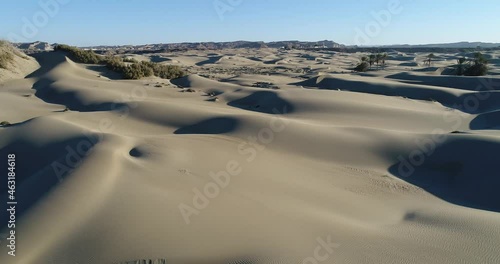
{"x": 6, "y": 54}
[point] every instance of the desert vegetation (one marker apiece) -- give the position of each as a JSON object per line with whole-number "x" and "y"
{"x": 4, "y": 124}
{"x": 368, "y": 61}
{"x": 6, "y": 55}
{"x": 477, "y": 66}
{"x": 135, "y": 70}
{"x": 428, "y": 61}
{"x": 363, "y": 66}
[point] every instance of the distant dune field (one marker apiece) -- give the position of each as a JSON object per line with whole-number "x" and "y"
{"x": 255, "y": 156}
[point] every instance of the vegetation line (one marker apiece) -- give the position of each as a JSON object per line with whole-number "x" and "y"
{"x": 129, "y": 68}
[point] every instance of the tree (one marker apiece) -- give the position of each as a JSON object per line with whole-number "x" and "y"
{"x": 372, "y": 60}
{"x": 378, "y": 58}
{"x": 461, "y": 65}
{"x": 363, "y": 65}
{"x": 429, "y": 58}
{"x": 384, "y": 57}
{"x": 478, "y": 66}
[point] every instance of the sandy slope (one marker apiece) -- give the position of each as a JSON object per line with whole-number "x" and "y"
{"x": 327, "y": 157}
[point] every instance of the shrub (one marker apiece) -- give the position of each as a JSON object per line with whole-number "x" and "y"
{"x": 362, "y": 67}
{"x": 476, "y": 70}
{"x": 79, "y": 55}
{"x": 114, "y": 63}
{"x": 478, "y": 66}
{"x": 4, "y": 124}
{"x": 131, "y": 60}
{"x": 6, "y": 54}
{"x": 168, "y": 71}
{"x": 136, "y": 70}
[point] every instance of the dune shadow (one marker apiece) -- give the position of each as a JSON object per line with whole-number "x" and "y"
{"x": 212, "y": 126}
{"x": 487, "y": 100}
{"x": 268, "y": 102}
{"x": 104, "y": 71}
{"x": 490, "y": 120}
{"x": 45, "y": 86}
{"x": 47, "y": 93}
{"x": 158, "y": 59}
{"x": 40, "y": 168}
{"x": 47, "y": 60}
{"x": 210, "y": 60}
{"x": 457, "y": 82}
{"x": 462, "y": 171}
{"x": 427, "y": 69}
{"x": 408, "y": 64}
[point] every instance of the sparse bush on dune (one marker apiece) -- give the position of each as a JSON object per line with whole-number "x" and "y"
{"x": 362, "y": 67}
{"x": 5, "y": 59}
{"x": 136, "y": 70}
{"x": 79, "y": 55}
{"x": 4, "y": 123}
{"x": 114, "y": 63}
{"x": 6, "y": 54}
{"x": 130, "y": 60}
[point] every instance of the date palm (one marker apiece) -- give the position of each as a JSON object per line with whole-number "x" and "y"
{"x": 429, "y": 58}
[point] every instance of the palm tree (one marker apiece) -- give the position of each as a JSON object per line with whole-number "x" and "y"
{"x": 478, "y": 67}
{"x": 373, "y": 58}
{"x": 378, "y": 58}
{"x": 479, "y": 58}
{"x": 384, "y": 57}
{"x": 461, "y": 65}
{"x": 429, "y": 58}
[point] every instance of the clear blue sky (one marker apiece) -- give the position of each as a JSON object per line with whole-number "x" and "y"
{"x": 93, "y": 22}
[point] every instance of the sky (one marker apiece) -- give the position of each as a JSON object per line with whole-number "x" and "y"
{"x": 360, "y": 22}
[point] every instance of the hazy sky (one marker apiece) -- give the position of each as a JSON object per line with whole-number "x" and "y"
{"x": 93, "y": 22}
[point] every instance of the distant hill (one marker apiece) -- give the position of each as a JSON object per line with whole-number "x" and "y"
{"x": 463, "y": 44}
{"x": 44, "y": 46}
{"x": 323, "y": 44}
{"x": 227, "y": 45}
{"x": 34, "y": 46}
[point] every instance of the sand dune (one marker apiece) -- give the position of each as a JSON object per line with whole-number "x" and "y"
{"x": 390, "y": 166}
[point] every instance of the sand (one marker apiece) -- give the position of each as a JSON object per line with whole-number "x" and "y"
{"x": 320, "y": 165}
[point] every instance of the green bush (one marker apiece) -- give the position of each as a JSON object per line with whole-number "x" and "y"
{"x": 131, "y": 60}
{"x": 79, "y": 55}
{"x": 136, "y": 70}
{"x": 4, "y": 123}
{"x": 362, "y": 67}
{"x": 114, "y": 63}
{"x": 476, "y": 70}
{"x": 478, "y": 66}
